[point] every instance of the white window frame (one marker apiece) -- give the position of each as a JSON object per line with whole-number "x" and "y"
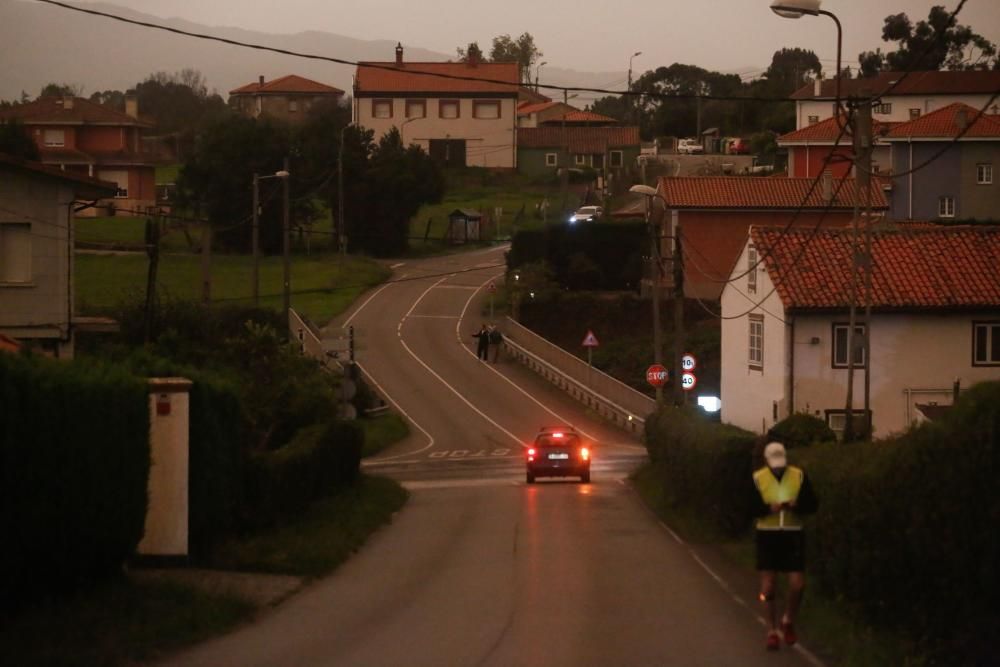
{"x": 15, "y": 253}
{"x": 988, "y": 333}
{"x": 449, "y": 104}
{"x": 413, "y": 105}
{"x": 838, "y": 344}
{"x": 479, "y": 105}
{"x": 755, "y": 349}
{"x": 883, "y": 109}
{"x": 54, "y": 137}
{"x": 946, "y": 206}
{"x": 751, "y": 269}
{"x": 837, "y": 421}
{"x": 551, "y": 159}
{"x": 381, "y": 104}
{"x": 984, "y": 173}
{"x": 812, "y": 120}
{"x": 914, "y": 113}
{"x": 580, "y": 160}
{"x": 616, "y": 159}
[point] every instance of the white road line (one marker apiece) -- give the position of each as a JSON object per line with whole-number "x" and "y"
{"x": 473, "y": 287}
{"x": 370, "y": 297}
{"x": 430, "y": 438}
{"x": 434, "y": 317}
{"x": 397, "y": 265}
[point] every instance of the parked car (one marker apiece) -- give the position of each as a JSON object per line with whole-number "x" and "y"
{"x": 739, "y": 147}
{"x": 690, "y": 147}
{"x": 586, "y": 214}
{"x": 557, "y": 452}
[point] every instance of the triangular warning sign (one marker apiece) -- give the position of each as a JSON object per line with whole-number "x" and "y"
{"x": 590, "y": 340}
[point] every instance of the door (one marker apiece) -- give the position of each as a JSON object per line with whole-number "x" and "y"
{"x": 448, "y": 152}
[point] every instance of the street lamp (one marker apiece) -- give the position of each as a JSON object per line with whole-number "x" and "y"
{"x": 402, "y": 125}
{"x": 654, "y": 279}
{"x": 796, "y": 9}
{"x": 538, "y": 71}
{"x": 629, "y": 98}
{"x": 283, "y": 174}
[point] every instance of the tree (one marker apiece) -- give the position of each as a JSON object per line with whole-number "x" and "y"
{"x": 61, "y": 90}
{"x": 790, "y": 69}
{"x": 940, "y": 42}
{"x": 114, "y": 99}
{"x": 15, "y": 141}
{"x": 472, "y": 52}
{"x": 612, "y": 106}
{"x": 522, "y": 51}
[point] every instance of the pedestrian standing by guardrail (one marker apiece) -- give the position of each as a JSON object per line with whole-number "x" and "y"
{"x": 495, "y": 339}
{"x": 782, "y": 496}
{"x": 483, "y": 344}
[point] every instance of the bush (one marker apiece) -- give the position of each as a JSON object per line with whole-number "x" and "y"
{"x": 802, "y": 430}
{"x": 706, "y": 467}
{"x": 320, "y": 460}
{"x": 74, "y": 468}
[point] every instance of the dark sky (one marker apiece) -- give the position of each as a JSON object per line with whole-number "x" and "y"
{"x": 591, "y": 35}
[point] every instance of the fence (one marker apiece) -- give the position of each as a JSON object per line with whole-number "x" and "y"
{"x": 607, "y": 396}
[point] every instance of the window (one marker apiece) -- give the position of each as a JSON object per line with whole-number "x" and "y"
{"x": 986, "y": 343}
{"x": 551, "y": 159}
{"x": 914, "y": 114}
{"x": 946, "y": 207}
{"x": 54, "y": 137}
{"x": 756, "y": 357}
{"x": 984, "y": 174}
{"x": 486, "y": 109}
{"x": 416, "y": 108}
{"x": 615, "y": 158}
{"x": 381, "y": 108}
{"x": 885, "y": 108}
{"x": 15, "y": 252}
{"x": 120, "y": 178}
{"x": 293, "y": 105}
{"x": 840, "y": 330}
{"x": 813, "y": 120}
{"x": 448, "y": 109}
{"x": 580, "y": 160}
{"x": 837, "y": 421}
{"x": 751, "y": 270}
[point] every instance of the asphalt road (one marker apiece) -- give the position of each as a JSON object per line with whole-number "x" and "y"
{"x": 480, "y": 568}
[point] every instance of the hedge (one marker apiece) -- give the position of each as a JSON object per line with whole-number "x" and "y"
{"x": 74, "y": 465}
{"x": 319, "y": 461}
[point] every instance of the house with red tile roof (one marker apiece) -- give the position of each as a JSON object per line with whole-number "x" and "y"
{"x": 546, "y": 149}
{"x": 823, "y": 147}
{"x": 461, "y": 113}
{"x": 288, "y": 98}
{"x": 37, "y": 205}
{"x": 902, "y": 96}
{"x": 533, "y": 114}
{"x": 935, "y": 303}
{"x": 89, "y": 139}
{"x": 943, "y": 163}
{"x": 714, "y": 215}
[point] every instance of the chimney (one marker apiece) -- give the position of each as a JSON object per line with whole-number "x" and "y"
{"x": 399, "y": 54}
{"x": 818, "y": 86}
{"x": 473, "y": 58}
{"x": 961, "y": 119}
{"x": 67, "y": 102}
{"x": 132, "y": 104}
{"x": 260, "y": 81}
{"x": 826, "y": 182}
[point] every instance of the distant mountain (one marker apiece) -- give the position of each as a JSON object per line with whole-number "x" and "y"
{"x": 43, "y": 44}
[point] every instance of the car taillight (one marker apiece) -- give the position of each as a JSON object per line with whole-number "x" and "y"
{"x": 584, "y": 453}
{"x": 531, "y": 454}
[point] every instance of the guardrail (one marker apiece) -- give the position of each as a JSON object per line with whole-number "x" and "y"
{"x": 609, "y": 397}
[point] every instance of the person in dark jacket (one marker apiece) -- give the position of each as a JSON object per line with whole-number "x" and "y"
{"x": 782, "y": 496}
{"x": 483, "y": 344}
{"x": 495, "y": 338}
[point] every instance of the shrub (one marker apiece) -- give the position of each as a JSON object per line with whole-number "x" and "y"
{"x": 74, "y": 468}
{"x": 801, "y": 430}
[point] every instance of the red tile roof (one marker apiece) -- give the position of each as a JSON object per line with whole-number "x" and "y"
{"x": 528, "y": 108}
{"x": 583, "y": 117}
{"x": 92, "y": 185}
{"x": 752, "y": 192}
{"x": 387, "y": 78}
{"x": 947, "y": 123}
{"x": 53, "y": 111}
{"x": 584, "y": 140}
{"x": 827, "y": 131}
{"x": 941, "y": 267}
{"x": 916, "y": 83}
{"x": 292, "y": 83}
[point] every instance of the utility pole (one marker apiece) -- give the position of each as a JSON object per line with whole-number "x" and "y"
{"x": 206, "y": 263}
{"x": 655, "y": 283}
{"x": 341, "y": 226}
{"x": 678, "y": 315}
{"x": 153, "y": 252}
{"x": 286, "y": 246}
{"x": 256, "y": 241}
{"x": 864, "y": 181}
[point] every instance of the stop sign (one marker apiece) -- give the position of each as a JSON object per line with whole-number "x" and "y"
{"x": 656, "y": 375}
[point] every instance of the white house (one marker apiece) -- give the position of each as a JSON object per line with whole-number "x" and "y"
{"x": 935, "y": 320}
{"x": 901, "y": 98}
{"x": 462, "y": 113}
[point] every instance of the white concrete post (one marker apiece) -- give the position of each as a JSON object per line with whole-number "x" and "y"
{"x": 166, "y": 532}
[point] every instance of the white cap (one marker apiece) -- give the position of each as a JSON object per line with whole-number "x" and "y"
{"x": 774, "y": 454}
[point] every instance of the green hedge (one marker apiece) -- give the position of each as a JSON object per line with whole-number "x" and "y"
{"x": 74, "y": 467}
{"x": 705, "y": 466}
{"x": 320, "y": 460}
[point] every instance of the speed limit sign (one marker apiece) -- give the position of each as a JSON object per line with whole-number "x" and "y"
{"x": 688, "y": 381}
{"x": 688, "y": 362}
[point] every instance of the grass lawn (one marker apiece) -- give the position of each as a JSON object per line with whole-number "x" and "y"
{"x": 117, "y": 623}
{"x": 167, "y": 173}
{"x": 129, "y": 233}
{"x": 322, "y": 285}
{"x": 321, "y": 538}
{"x": 382, "y": 431}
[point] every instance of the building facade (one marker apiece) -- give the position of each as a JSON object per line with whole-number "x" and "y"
{"x": 289, "y": 98}
{"x": 544, "y": 150}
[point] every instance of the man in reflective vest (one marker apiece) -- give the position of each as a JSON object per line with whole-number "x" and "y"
{"x": 783, "y": 494}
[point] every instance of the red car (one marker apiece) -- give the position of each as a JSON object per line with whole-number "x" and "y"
{"x": 739, "y": 147}
{"x": 558, "y": 452}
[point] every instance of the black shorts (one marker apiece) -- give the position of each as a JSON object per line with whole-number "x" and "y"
{"x": 781, "y": 550}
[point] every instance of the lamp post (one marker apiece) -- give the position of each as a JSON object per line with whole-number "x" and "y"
{"x": 628, "y": 100}
{"x": 538, "y": 71}
{"x": 286, "y": 244}
{"x": 654, "y": 280}
{"x": 796, "y": 9}
{"x": 401, "y": 126}
{"x": 341, "y": 224}
{"x": 283, "y": 174}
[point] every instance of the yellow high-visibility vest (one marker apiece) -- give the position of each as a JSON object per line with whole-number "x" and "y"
{"x": 773, "y": 491}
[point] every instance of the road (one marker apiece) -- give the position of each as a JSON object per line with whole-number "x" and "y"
{"x": 480, "y": 568}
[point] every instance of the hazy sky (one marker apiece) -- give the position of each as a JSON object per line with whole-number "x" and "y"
{"x": 591, "y": 35}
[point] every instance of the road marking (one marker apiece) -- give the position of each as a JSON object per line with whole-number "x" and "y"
{"x": 361, "y": 307}
{"x": 430, "y": 438}
{"x": 473, "y": 287}
{"x": 434, "y": 317}
{"x": 397, "y": 265}
{"x": 501, "y": 452}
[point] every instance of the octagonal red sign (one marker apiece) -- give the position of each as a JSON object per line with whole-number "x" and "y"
{"x": 656, "y": 375}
